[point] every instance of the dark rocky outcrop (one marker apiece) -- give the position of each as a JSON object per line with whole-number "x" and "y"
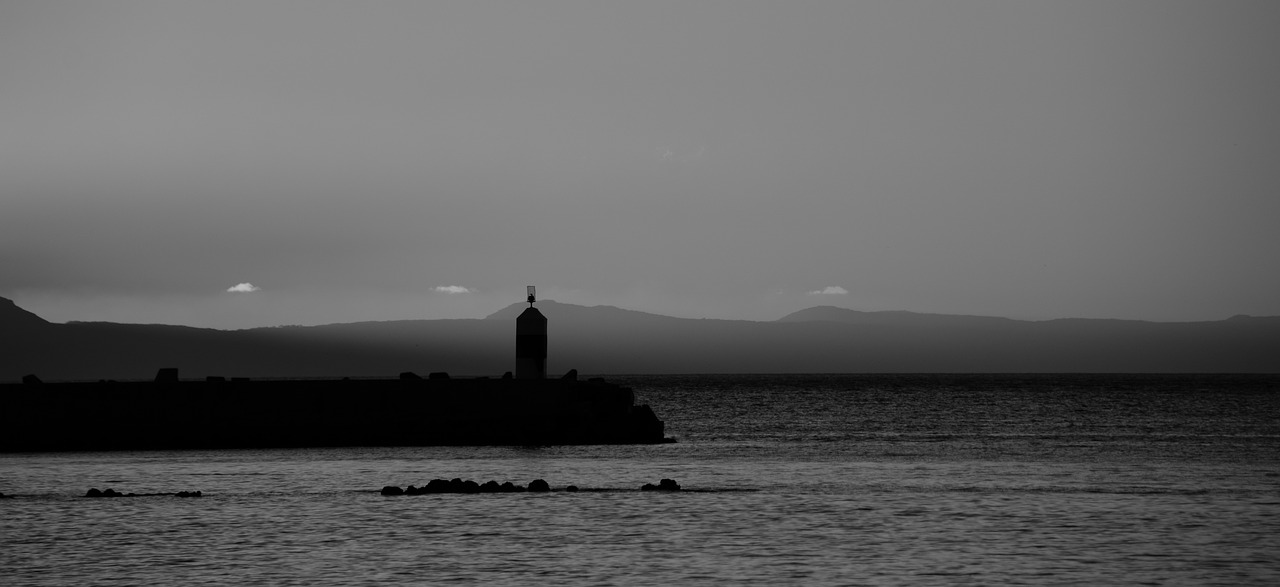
{"x": 94, "y": 492}
{"x": 663, "y": 485}
{"x": 468, "y": 486}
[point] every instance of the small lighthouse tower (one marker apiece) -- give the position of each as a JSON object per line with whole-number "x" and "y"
{"x": 531, "y": 342}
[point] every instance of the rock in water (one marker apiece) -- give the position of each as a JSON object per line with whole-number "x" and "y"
{"x": 663, "y": 485}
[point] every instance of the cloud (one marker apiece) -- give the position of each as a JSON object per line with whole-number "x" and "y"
{"x": 830, "y": 290}
{"x": 245, "y": 287}
{"x": 452, "y": 289}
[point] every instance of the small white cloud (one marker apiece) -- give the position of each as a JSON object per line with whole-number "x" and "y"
{"x": 452, "y": 289}
{"x": 245, "y": 287}
{"x": 830, "y": 290}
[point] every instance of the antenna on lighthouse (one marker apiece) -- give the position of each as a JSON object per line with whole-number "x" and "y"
{"x": 529, "y": 288}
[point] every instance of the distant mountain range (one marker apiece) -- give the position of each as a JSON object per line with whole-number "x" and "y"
{"x": 609, "y": 340}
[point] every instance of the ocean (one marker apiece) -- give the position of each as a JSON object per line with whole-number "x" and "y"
{"x": 788, "y": 479}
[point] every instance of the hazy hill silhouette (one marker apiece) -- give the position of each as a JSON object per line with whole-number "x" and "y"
{"x": 17, "y": 320}
{"x": 576, "y": 313}
{"x": 605, "y": 339}
{"x": 894, "y": 317}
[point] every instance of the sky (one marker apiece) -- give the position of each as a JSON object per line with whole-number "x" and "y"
{"x": 252, "y": 163}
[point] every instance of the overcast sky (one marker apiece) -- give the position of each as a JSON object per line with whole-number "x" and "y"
{"x": 403, "y": 160}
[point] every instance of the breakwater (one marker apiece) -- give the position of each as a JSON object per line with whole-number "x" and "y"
{"x": 410, "y": 411}
{"x": 94, "y": 492}
{"x": 457, "y": 485}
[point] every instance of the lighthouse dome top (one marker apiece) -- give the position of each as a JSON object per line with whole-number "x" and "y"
{"x": 531, "y": 315}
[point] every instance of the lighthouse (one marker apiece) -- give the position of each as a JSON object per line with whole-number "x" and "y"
{"x": 531, "y": 342}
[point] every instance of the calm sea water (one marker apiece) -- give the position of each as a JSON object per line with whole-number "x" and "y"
{"x": 848, "y": 479}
